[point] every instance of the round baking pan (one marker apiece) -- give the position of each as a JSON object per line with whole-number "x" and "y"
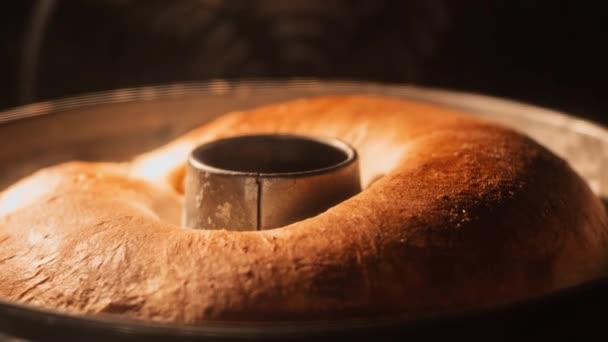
{"x": 119, "y": 124}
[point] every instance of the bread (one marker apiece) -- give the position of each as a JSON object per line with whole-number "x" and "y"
{"x": 456, "y": 214}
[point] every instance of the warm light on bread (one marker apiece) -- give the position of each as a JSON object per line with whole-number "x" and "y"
{"x": 456, "y": 213}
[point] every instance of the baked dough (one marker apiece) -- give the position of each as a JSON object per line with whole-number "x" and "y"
{"x": 456, "y": 214}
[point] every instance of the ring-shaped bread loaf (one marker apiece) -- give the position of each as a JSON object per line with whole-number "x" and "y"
{"x": 456, "y": 213}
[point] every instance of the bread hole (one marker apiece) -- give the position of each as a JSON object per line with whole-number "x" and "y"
{"x": 266, "y": 181}
{"x": 270, "y": 154}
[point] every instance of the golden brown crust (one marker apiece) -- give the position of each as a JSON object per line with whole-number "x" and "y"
{"x": 457, "y": 214}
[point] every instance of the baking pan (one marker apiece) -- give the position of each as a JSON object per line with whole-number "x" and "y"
{"x": 119, "y": 124}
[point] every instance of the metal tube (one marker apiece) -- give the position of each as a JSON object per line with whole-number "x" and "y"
{"x": 266, "y": 181}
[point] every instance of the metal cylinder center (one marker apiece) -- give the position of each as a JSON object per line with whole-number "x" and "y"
{"x": 266, "y": 181}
